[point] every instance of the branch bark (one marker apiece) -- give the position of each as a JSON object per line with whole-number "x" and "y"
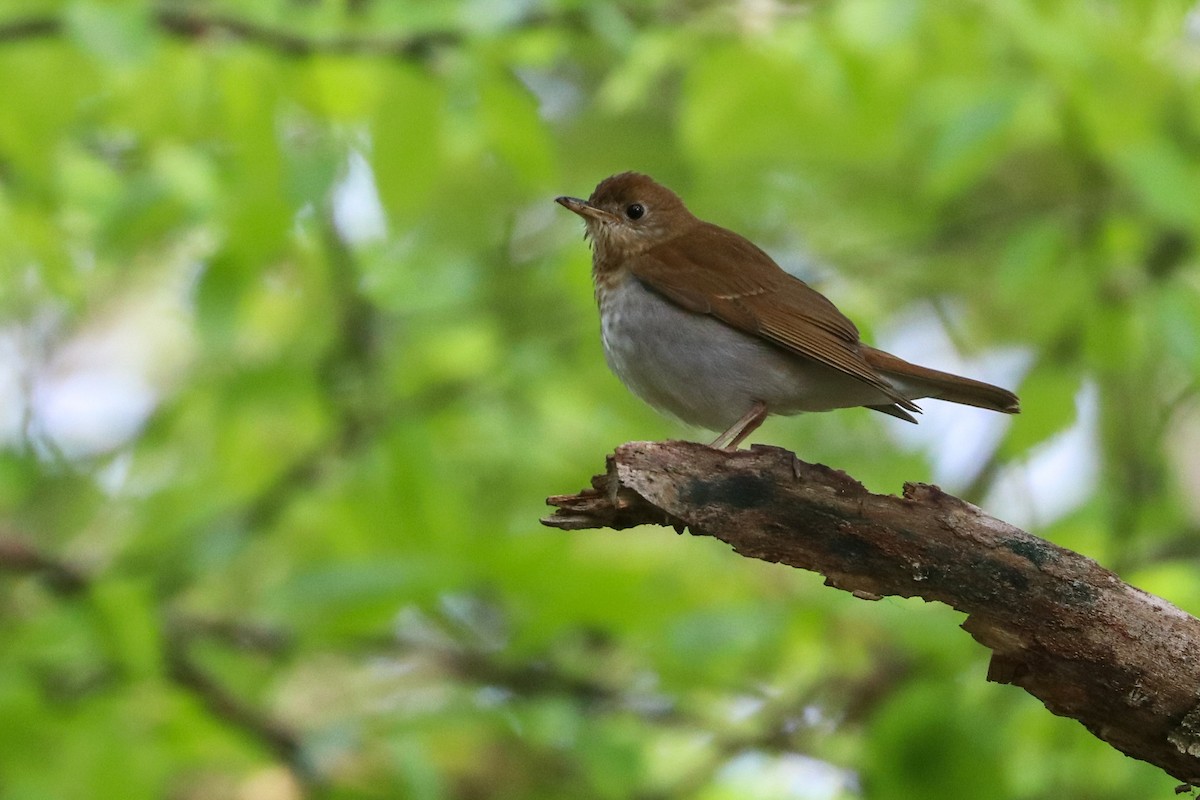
{"x": 1124, "y": 663}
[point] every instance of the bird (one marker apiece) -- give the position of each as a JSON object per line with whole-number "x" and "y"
{"x": 703, "y": 325}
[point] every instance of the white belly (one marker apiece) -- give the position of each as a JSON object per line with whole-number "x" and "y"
{"x": 696, "y": 368}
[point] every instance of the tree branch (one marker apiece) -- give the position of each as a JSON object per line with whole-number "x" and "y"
{"x": 1124, "y": 663}
{"x": 183, "y": 668}
{"x": 193, "y": 23}
{"x": 22, "y": 557}
{"x": 29, "y": 28}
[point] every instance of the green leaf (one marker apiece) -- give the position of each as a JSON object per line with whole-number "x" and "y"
{"x": 1048, "y": 400}
{"x": 128, "y": 618}
{"x": 115, "y": 33}
{"x": 1165, "y": 180}
{"x": 406, "y": 140}
{"x": 968, "y": 145}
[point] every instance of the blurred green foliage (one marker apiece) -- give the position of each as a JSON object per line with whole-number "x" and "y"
{"x": 294, "y": 344}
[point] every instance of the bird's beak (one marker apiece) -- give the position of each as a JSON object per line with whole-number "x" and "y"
{"x": 584, "y": 209}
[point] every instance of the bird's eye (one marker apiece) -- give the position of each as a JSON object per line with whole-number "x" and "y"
{"x": 635, "y": 211}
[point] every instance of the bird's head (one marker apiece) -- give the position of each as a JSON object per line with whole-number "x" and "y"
{"x": 629, "y": 213}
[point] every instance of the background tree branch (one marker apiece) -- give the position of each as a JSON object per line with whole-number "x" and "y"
{"x": 194, "y": 22}
{"x": 23, "y": 557}
{"x": 1124, "y": 663}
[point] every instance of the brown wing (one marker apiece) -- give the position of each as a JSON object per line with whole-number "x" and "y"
{"x": 757, "y": 297}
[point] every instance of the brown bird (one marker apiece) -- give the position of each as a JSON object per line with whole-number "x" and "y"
{"x": 703, "y": 325}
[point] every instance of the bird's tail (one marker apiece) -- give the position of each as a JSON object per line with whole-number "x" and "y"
{"x": 917, "y": 382}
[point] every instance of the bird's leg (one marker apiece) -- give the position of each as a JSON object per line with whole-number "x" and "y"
{"x": 730, "y": 439}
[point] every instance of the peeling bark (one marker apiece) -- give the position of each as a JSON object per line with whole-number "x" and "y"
{"x": 1124, "y": 663}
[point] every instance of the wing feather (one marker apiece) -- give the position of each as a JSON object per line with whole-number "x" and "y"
{"x": 758, "y": 298}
